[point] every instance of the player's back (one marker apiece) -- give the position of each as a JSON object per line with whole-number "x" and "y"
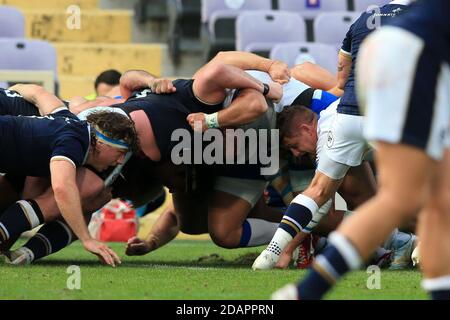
{"x": 28, "y": 143}
{"x": 359, "y": 30}
{"x": 12, "y": 103}
{"x": 168, "y": 112}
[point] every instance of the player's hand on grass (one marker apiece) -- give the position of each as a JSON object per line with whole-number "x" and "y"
{"x": 284, "y": 260}
{"x": 279, "y": 72}
{"x": 161, "y": 86}
{"x": 197, "y": 121}
{"x": 102, "y": 251}
{"x": 137, "y": 247}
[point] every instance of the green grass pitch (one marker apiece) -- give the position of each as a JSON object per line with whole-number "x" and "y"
{"x": 184, "y": 270}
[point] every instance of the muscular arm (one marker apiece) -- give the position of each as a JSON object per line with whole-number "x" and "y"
{"x": 212, "y": 80}
{"x": 46, "y": 102}
{"x": 247, "y": 107}
{"x": 278, "y": 70}
{"x": 314, "y": 76}
{"x": 164, "y": 230}
{"x": 67, "y": 197}
{"x": 133, "y": 80}
{"x": 344, "y": 68}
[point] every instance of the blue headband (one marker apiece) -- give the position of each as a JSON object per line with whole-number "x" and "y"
{"x": 120, "y": 144}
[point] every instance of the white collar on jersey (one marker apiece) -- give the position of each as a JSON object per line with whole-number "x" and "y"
{"x": 403, "y": 2}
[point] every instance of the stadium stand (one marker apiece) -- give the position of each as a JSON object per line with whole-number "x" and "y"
{"x": 26, "y": 54}
{"x": 331, "y": 27}
{"x": 184, "y": 27}
{"x": 362, "y": 5}
{"x": 259, "y": 31}
{"x": 12, "y": 23}
{"x": 150, "y": 10}
{"x": 102, "y": 42}
{"x": 294, "y": 53}
{"x": 310, "y": 9}
{"x": 219, "y": 20}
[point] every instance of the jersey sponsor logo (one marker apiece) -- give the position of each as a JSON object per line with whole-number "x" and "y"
{"x": 143, "y": 94}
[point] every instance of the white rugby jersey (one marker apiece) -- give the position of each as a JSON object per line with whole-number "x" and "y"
{"x": 291, "y": 90}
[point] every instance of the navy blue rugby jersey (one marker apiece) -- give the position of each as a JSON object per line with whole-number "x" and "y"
{"x": 168, "y": 112}
{"x": 12, "y": 103}
{"x": 358, "y": 31}
{"x": 28, "y": 143}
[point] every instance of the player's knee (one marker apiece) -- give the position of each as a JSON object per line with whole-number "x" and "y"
{"x": 439, "y": 203}
{"x": 223, "y": 239}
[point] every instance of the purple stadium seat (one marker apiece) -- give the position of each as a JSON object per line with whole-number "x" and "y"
{"x": 294, "y": 53}
{"x": 309, "y": 9}
{"x": 210, "y": 7}
{"x": 12, "y": 23}
{"x": 264, "y": 29}
{"x": 25, "y": 54}
{"x": 362, "y": 5}
{"x": 331, "y": 27}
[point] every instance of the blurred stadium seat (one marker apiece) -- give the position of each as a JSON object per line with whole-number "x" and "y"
{"x": 294, "y": 53}
{"x": 309, "y": 9}
{"x": 362, "y": 5}
{"x": 331, "y": 27}
{"x": 145, "y": 10}
{"x": 184, "y": 26}
{"x": 259, "y": 31}
{"x": 27, "y": 54}
{"x": 218, "y": 22}
{"x": 12, "y": 23}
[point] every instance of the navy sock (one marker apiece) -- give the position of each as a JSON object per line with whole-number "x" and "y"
{"x": 440, "y": 294}
{"x": 296, "y": 218}
{"x": 51, "y": 238}
{"x": 21, "y": 216}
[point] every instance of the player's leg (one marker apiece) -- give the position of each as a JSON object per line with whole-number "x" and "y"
{"x": 231, "y": 220}
{"x": 27, "y": 214}
{"x": 359, "y": 185}
{"x": 301, "y": 217}
{"x": 434, "y": 226}
{"x": 407, "y": 118}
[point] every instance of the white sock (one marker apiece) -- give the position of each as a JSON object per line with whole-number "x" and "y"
{"x": 279, "y": 241}
{"x": 262, "y": 232}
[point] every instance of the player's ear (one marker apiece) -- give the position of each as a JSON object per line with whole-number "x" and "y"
{"x": 304, "y": 128}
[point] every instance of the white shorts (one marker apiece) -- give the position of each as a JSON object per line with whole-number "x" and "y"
{"x": 340, "y": 143}
{"x": 406, "y": 91}
{"x": 345, "y": 141}
{"x": 246, "y": 189}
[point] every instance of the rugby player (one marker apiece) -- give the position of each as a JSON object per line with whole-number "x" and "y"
{"x": 56, "y": 145}
{"x": 412, "y": 150}
{"x": 341, "y": 151}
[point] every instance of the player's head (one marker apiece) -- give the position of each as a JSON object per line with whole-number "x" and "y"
{"x": 113, "y": 135}
{"x": 298, "y": 129}
{"x": 106, "y": 81}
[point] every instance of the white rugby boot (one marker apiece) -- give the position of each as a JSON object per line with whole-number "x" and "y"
{"x": 288, "y": 292}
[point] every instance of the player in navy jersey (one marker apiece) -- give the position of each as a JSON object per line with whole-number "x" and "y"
{"x": 404, "y": 84}
{"x": 345, "y": 146}
{"x": 177, "y": 113}
{"x": 56, "y": 145}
